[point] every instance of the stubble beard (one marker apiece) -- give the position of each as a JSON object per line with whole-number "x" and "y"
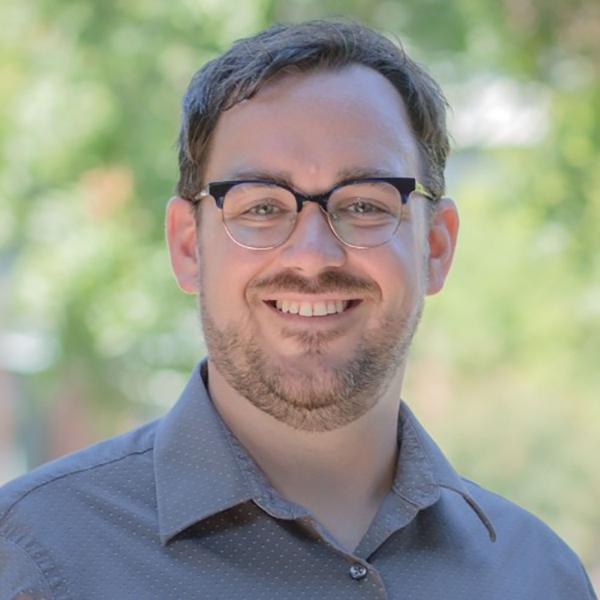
{"x": 324, "y": 398}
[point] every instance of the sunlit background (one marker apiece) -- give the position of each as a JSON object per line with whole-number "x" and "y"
{"x": 95, "y": 336}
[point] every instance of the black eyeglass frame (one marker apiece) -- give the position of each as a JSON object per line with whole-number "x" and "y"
{"x": 219, "y": 189}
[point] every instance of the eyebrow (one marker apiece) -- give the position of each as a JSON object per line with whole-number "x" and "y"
{"x": 284, "y": 177}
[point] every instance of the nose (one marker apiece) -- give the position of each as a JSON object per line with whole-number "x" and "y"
{"x": 312, "y": 247}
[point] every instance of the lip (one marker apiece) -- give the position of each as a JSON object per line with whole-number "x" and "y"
{"x": 313, "y": 321}
{"x": 309, "y": 298}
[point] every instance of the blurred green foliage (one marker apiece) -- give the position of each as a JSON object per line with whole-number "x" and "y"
{"x": 506, "y": 367}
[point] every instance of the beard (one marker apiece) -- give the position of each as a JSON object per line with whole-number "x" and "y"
{"x": 319, "y": 398}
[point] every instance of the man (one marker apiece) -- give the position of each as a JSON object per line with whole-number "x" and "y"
{"x": 311, "y": 222}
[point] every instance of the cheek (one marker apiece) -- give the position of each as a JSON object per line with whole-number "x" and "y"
{"x": 396, "y": 269}
{"x": 225, "y": 272}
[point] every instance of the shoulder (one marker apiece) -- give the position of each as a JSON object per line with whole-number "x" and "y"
{"x": 46, "y": 516}
{"x": 510, "y": 519}
{"x": 77, "y": 471}
{"x": 526, "y": 543}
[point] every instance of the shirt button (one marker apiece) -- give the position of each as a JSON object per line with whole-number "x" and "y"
{"x": 358, "y": 571}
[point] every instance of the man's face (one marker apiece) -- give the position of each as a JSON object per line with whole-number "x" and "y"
{"x": 313, "y": 372}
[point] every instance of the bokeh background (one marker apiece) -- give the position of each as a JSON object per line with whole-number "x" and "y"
{"x": 95, "y": 336}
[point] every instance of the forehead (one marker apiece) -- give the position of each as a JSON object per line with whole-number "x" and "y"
{"x": 312, "y": 125}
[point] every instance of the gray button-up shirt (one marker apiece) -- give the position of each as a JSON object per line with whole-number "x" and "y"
{"x": 177, "y": 509}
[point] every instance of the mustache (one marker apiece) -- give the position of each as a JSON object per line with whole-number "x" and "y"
{"x": 326, "y": 282}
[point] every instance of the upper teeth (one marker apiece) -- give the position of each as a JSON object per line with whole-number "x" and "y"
{"x": 312, "y": 309}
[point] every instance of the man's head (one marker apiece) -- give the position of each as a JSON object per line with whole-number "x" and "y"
{"x": 313, "y": 128}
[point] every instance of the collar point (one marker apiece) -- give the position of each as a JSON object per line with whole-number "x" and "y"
{"x": 481, "y": 515}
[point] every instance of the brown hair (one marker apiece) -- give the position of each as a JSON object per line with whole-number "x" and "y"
{"x": 239, "y": 73}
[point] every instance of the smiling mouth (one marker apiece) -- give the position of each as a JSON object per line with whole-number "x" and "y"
{"x": 321, "y": 308}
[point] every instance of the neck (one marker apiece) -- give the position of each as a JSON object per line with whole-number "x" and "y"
{"x": 335, "y": 474}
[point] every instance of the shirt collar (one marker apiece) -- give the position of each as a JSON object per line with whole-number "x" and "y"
{"x": 423, "y": 470}
{"x": 195, "y": 469}
{"x": 198, "y": 474}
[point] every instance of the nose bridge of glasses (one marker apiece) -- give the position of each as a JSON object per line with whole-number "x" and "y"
{"x": 320, "y": 199}
{"x": 314, "y": 232}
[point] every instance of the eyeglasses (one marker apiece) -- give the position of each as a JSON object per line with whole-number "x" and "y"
{"x": 362, "y": 213}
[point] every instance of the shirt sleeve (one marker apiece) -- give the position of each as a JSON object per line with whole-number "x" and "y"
{"x": 20, "y": 576}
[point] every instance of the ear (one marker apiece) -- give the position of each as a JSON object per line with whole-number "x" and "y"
{"x": 182, "y": 239}
{"x": 443, "y": 232}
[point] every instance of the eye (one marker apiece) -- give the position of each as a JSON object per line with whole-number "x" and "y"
{"x": 264, "y": 209}
{"x": 361, "y": 206}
